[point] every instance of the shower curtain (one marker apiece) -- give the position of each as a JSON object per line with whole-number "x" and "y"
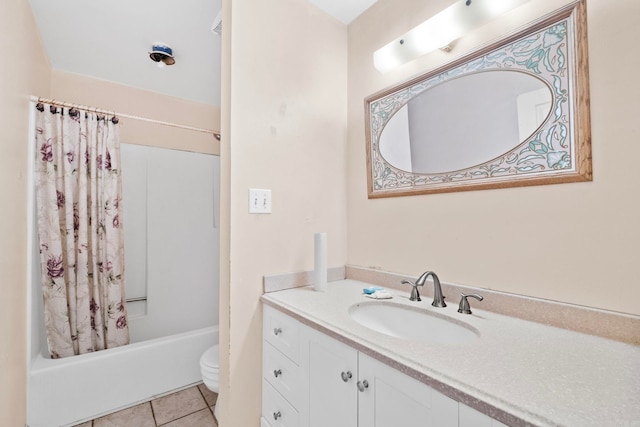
{"x": 79, "y": 207}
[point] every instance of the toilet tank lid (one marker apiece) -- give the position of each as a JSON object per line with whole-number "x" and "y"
{"x": 211, "y": 357}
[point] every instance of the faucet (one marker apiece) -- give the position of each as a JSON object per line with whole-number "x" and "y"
{"x": 438, "y": 298}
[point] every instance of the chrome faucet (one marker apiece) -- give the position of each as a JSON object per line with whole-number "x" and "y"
{"x": 438, "y": 298}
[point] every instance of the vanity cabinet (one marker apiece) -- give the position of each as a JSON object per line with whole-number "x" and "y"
{"x": 313, "y": 380}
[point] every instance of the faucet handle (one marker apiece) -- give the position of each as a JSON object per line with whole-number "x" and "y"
{"x": 408, "y": 282}
{"x": 464, "y": 306}
{"x": 415, "y": 295}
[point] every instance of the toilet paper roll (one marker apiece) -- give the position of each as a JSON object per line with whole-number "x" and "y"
{"x": 320, "y": 261}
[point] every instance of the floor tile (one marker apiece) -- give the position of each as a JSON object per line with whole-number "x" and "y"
{"x": 139, "y": 416}
{"x": 202, "y": 418}
{"x": 210, "y": 396}
{"x": 87, "y": 424}
{"x": 177, "y": 405}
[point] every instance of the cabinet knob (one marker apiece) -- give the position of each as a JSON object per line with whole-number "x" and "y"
{"x": 362, "y": 385}
{"x": 346, "y": 376}
{"x": 277, "y": 415}
{"x": 277, "y": 372}
{"x": 277, "y": 331}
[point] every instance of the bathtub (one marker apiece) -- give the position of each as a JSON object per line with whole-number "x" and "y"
{"x": 64, "y": 392}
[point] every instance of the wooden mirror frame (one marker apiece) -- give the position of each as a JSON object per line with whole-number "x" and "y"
{"x": 571, "y": 94}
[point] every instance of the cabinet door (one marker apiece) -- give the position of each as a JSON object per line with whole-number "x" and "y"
{"x": 394, "y": 399}
{"x": 333, "y": 396}
{"x": 469, "y": 417}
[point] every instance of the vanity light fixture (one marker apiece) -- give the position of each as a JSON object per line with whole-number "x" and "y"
{"x": 440, "y": 30}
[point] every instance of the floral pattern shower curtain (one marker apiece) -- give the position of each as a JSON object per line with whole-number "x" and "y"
{"x": 79, "y": 195}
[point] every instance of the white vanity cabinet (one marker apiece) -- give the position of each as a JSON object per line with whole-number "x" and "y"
{"x": 328, "y": 383}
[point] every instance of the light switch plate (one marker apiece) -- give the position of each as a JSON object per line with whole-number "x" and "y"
{"x": 259, "y": 201}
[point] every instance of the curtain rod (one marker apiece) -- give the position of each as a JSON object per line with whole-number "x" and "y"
{"x": 128, "y": 116}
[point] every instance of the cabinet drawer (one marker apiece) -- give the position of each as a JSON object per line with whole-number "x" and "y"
{"x": 276, "y": 410}
{"x": 282, "y": 374}
{"x": 282, "y": 332}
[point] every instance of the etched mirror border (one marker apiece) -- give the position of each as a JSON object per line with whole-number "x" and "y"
{"x": 553, "y": 49}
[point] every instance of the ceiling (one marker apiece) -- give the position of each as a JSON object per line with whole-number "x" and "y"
{"x": 344, "y": 10}
{"x": 111, "y": 41}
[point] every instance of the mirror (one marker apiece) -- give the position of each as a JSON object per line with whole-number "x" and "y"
{"x": 450, "y": 126}
{"x": 514, "y": 113}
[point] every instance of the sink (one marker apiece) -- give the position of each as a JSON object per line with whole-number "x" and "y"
{"x": 414, "y": 324}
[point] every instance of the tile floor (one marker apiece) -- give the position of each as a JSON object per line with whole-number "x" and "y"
{"x": 191, "y": 407}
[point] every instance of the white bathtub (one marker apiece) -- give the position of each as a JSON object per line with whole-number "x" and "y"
{"x": 63, "y": 392}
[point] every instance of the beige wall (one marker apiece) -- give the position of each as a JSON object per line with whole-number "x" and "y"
{"x": 75, "y": 88}
{"x": 571, "y": 242}
{"x": 287, "y": 119}
{"x": 24, "y": 72}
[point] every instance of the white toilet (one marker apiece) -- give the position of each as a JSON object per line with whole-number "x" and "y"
{"x": 210, "y": 367}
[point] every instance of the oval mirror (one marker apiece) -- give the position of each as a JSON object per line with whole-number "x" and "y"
{"x": 465, "y": 121}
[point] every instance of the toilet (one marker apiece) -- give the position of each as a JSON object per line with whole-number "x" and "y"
{"x": 210, "y": 367}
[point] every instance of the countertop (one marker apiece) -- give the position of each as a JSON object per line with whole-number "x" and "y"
{"x": 519, "y": 372}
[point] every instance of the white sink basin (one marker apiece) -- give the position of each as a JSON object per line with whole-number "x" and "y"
{"x": 415, "y": 324}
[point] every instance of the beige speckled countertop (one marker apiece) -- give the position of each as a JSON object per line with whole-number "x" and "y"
{"x": 519, "y": 372}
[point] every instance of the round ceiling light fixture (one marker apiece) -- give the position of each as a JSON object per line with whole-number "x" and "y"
{"x": 162, "y": 55}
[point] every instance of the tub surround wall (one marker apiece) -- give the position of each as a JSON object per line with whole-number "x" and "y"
{"x": 161, "y": 189}
{"x": 575, "y": 243}
{"x": 24, "y": 71}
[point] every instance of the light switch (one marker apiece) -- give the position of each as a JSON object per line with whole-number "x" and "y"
{"x": 259, "y": 201}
